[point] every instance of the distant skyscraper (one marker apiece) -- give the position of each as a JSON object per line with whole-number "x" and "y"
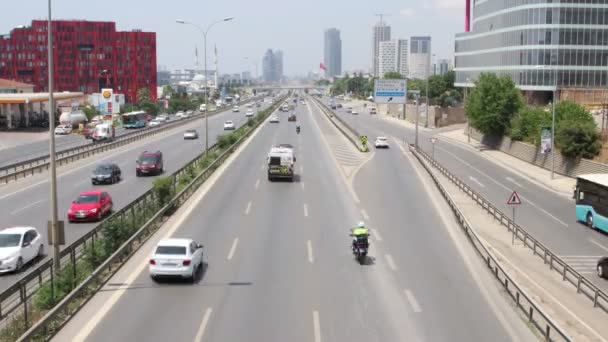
{"x": 442, "y": 67}
{"x": 333, "y": 52}
{"x": 393, "y": 57}
{"x": 272, "y": 66}
{"x": 420, "y": 57}
{"x": 380, "y": 33}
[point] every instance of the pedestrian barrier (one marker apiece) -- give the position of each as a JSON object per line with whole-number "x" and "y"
{"x": 17, "y": 298}
{"x": 32, "y": 166}
{"x": 533, "y": 313}
{"x": 583, "y": 285}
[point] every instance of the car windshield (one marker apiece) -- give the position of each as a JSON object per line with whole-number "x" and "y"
{"x": 228, "y": 122}
{"x": 190, "y": 131}
{"x": 147, "y": 159}
{"x": 87, "y": 199}
{"x": 9, "y": 240}
{"x": 171, "y": 250}
{"x": 382, "y": 138}
{"x": 103, "y": 169}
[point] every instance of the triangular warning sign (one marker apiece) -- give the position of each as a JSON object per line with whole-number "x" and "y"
{"x": 514, "y": 199}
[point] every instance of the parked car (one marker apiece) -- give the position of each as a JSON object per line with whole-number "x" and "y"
{"x": 149, "y": 163}
{"x": 63, "y": 129}
{"x": 18, "y": 247}
{"x": 229, "y": 125}
{"x": 602, "y": 267}
{"x": 106, "y": 173}
{"x": 90, "y": 206}
{"x": 176, "y": 258}
{"x": 190, "y": 134}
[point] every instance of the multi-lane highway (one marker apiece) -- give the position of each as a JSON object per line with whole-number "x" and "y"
{"x": 26, "y": 202}
{"x": 279, "y": 267}
{"x": 547, "y": 215}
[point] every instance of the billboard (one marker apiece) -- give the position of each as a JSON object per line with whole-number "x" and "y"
{"x": 390, "y": 91}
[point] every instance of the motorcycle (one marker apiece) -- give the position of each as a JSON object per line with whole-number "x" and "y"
{"x": 360, "y": 248}
{"x": 298, "y": 129}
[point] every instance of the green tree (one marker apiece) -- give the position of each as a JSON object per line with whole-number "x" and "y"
{"x": 566, "y": 111}
{"x": 528, "y": 123}
{"x": 492, "y": 104}
{"x": 578, "y": 139}
{"x": 144, "y": 95}
{"x": 393, "y": 76}
{"x": 149, "y": 107}
{"x": 91, "y": 112}
{"x": 168, "y": 91}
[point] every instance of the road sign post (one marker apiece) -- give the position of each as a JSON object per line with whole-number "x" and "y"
{"x": 514, "y": 201}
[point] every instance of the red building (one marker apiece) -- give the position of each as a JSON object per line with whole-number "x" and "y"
{"x": 87, "y": 56}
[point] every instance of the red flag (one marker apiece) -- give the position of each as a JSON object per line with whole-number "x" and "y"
{"x": 322, "y": 66}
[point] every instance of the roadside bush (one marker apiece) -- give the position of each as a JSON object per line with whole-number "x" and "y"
{"x": 226, "y": 140}
{"x": 527, "y": 124}
{"x": 578, "y": 139}
{"x": 95, "y": 256}
{"x": 163, "y": 188}
{"x": 65, "y": 282}
{"x": 115, "y": 234}
{"x": 250, "y": 122}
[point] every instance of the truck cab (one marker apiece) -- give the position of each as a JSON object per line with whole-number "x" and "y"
{"x": 281, "y": 160}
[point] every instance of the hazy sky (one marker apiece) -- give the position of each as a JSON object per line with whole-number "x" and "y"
{"x": 296, "y": 27}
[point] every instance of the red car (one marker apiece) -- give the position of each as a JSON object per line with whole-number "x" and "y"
{"x": 90, "y": 206}
{"x": 149, "y": 163}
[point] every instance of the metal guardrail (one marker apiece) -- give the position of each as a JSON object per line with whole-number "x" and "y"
{"x": 32, "y": 166}
{"x": 534, "y": 314}
{"x": 65, "y": 310}
{"x": 582, "y": 284}
{"x": 353, "y": 135}
{"x": 20, "y": 293}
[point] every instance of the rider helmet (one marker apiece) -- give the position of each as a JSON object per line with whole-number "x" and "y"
{"x": 361, "y": 224}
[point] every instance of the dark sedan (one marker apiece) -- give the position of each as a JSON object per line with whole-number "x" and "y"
{"x": 602, "y": 268}
{"x": 107, "y": 173}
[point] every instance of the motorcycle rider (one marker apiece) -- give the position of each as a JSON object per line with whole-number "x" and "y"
{"x": 298, "y": 129}
{"x": 360, "y": 234}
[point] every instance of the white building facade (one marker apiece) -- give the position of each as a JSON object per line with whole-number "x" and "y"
{"x": 420, "y": 57}
{"x": 393, "y": 57}
{"x": 380, "y": 33}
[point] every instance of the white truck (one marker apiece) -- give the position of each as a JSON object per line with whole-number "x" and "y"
{"x": 104, "y": 132}
{"x": 281, "y": 160}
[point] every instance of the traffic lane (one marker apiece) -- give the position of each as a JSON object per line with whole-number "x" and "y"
{"x": 215, "y": 222}
{"x": 426, "y": 259}
{"x": 24, "y": 210}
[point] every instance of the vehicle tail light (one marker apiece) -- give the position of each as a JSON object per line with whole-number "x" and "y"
{"x": 187, "y": 262}
{"x": 152, "y": 262}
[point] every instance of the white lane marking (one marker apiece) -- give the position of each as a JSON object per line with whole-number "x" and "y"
{"x": 504, "y": 187}
{"x": 201, "y": 329}
{"x": 302, "y": 185}
{"x": 390, "y": 261}
{"x": 376, "y": 234}
{"x": 305, "y": 210}
{"x": 514, "y": 182}
{"x": 413, "y": 302}
{"x": 257, "y": 183}
{"x": 316, "y": 325}
{"x": 364, "y": 214}
{"x": 27, "y": 206}
{"x": 233, "y": 248}
{"x": 311, "y": 258}
{"x": 598, "y": 244}
{"x": 476, "y": 181}
{"x": 248, "y": 208}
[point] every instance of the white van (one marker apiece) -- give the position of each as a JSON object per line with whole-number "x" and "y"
{"x": 104, "y": 132}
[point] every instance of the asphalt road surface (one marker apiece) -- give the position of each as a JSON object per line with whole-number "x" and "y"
{"x": 279, "y": 266}
{"x": 548, "y": 216}
{"x": 27, "y": 203}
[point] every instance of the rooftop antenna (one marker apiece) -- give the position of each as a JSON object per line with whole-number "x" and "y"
{"x": 381, "y": 16}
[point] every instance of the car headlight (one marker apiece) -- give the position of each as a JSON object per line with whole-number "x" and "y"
{"x": 94, "y": 210}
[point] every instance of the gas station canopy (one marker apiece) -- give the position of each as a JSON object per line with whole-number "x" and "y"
{"x": 37, "y": 97}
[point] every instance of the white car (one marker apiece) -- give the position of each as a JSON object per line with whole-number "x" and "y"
{"x": 180, "y": 115}
{"x": 162, "y": 118}
{"x": 249, "y": 113}
{"x": 354, "y": 112}
{"x": 63, "y": 129}
{"x": 18, "y": 246}
{"x": 190, "y": 112}
{"x": 228, "y": 125}
{"x": 190, "y": 134}
{"x": 381, "y": 142}
{"x": 274, "y": 119}
{"x": 155, "y": 122}
{"x": 235, "y": 109}
{"x": 176, "y": 258}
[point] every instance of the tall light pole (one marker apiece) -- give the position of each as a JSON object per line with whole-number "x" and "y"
{"x": 554, "y": 95}
{"x": 204, "y": 32}
{"x": 54, "y": 224}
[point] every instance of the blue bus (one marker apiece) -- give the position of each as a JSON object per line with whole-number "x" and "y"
{"x": 591, "y": 196}
{"x": 134, "y": 119}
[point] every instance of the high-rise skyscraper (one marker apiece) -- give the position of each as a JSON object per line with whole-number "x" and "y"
{"x": 393, "y": 57}
{"x": 420, "y": 57}
{"x": 333, "y": 52}
{"x": 442, "y": 67}
{"x": 272, "y": 66}
{"x": 380, "y": 33}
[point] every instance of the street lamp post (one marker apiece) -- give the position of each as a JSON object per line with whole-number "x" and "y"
{"x": 206, "y": 95}
{"x": 554, "y": 95}
{"x": 54, "y": 224}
